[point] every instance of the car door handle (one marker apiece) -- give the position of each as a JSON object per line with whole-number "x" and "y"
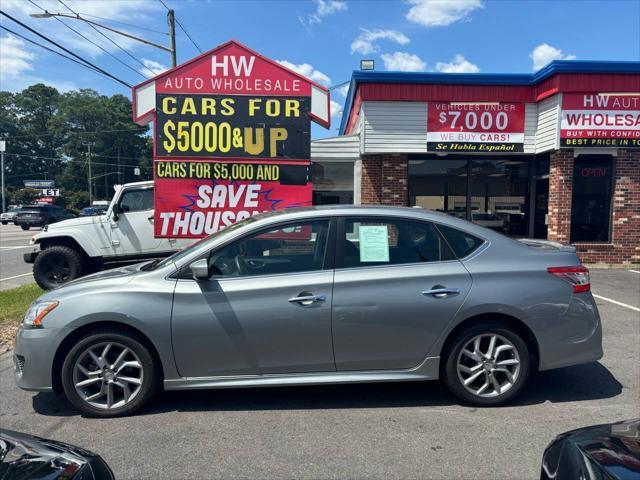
{"x": 441, "y": 292}
{"x": 308, "y": 299}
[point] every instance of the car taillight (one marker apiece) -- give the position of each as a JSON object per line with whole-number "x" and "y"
{"x": 577, "y": 276}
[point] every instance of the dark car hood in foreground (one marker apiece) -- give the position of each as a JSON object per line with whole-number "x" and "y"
{"x": 25, "y": 457}
{"x": 609, "y": 451}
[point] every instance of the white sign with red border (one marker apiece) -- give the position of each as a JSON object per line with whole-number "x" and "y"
{"x": 597, "y": 120}
{"x": 475, "y": 127}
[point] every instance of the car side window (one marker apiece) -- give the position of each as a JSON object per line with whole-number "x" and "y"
{"x": 137, "y": 200}
{"x": 373, "y": 242}
{"x": 299, "y": 247}
{"x": 462, "y": 243}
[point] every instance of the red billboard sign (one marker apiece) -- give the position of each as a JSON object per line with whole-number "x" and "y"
{"x": 231, "y": 139}
{"x": 196, "y": 198}
{"x": 475, "y": 127}
{"x": 597, "y": 120}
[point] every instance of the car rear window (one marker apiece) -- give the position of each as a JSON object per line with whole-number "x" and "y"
{"x": 462, "y": 243}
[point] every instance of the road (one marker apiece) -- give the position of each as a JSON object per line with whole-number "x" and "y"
{"x": 402, "y": 430}
{"x": 13, "y": 243}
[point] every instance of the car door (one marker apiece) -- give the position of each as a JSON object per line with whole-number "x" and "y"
{"x": 132, "y": 231}
{"x": 397, "y": 285}
{"x": 266, "y": 307}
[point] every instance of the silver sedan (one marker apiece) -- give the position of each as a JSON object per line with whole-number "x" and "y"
{"x": 316, "y": 296}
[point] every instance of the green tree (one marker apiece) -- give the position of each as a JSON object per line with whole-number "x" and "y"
{"x": 25, "y": 196}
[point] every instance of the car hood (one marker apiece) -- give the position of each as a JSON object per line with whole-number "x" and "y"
{"x": 96, "y": 282}
{"x": 25, "y": 457}
{"x": 615, "y": 448}
{"x": 73, "y": 222}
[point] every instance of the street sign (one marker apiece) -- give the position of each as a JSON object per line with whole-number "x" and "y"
{"x": 39, "y": 183}
{"x": 50, "y": 192}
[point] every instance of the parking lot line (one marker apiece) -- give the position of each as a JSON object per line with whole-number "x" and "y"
{"x": 610, "y": 300}
{"x": 15, "y": 276}
{"x": 634, "y": 271}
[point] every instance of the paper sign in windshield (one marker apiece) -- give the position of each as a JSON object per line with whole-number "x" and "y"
{"x": 374, "y": 243}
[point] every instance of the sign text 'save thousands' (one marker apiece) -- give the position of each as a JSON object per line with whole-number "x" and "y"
{"x": 596, "y": 120}
{"x": 232, "y": 139}
{"x": 475, "y": 127}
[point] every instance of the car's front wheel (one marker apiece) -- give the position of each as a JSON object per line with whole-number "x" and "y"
{"x": 25, "y": 227}
{"x": 109, "y": 374}
{"x": 487, "y": 365}
{"x": 56, "y": 265}
{"x": 4, "y": 223}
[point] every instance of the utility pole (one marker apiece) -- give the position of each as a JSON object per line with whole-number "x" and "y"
{"x": 171, "y": 19}
{"x": 89, "y": 144}
{"x": 3, "y": 146}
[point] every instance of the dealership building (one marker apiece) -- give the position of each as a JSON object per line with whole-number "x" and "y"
{"x": 551, "y": 155}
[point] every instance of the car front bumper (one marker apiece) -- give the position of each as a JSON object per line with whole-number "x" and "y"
{"x": 33, "y": 356}
{"x": 30, "y": 257}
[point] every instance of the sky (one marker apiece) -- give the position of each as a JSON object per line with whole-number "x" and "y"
{"x": 322, "y": 39}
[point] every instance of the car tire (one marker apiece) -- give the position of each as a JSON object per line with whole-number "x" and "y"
{"x": 459, "y": 367}
{"x": 148, "y": 374}
{"x": 57, "y": 265}
{"x": 25, "y": 227}
{"x": 4, "y": 223}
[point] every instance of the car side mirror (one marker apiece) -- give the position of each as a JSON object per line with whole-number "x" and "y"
{"x": 200, "y": 270}
{"x": 116, "y": 212}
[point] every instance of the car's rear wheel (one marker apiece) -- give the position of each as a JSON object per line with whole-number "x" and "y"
{"x": 25, "y": 227}
{"x": 487, "y": 365}
{"x": 109, "y": 374}
{"x": 4, "y": 223}
{"x": 57, "y": 265}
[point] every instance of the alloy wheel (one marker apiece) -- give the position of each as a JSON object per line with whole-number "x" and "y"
{"x": 108, "y": 375}
{"x": 488, "y": 365}
{"x": 57, "y": 270}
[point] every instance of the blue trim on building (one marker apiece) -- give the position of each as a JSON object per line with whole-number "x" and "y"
{"x": 553, "y": 68}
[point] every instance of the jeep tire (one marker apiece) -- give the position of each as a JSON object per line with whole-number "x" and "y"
{"x": 57, "y": 265}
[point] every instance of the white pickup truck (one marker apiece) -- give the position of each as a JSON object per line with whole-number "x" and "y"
{"x": 124, "y": 234}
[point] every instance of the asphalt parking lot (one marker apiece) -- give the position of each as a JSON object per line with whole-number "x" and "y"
{"x": 13, "y": 243}
{"x": 402, "y": 430}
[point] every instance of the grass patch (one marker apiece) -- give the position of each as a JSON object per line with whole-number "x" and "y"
{"x": 13, "y": 304}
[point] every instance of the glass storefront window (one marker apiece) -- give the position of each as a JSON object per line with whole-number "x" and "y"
{"x": 591, "y": 198}
{"x": 439, "y": 184}
{"x": 500, "y": 195}
{"x": 495, "y": 192}
{"x": 332, "y": 183}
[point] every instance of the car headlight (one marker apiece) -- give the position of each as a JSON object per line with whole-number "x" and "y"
{"x": 36, "y": 312}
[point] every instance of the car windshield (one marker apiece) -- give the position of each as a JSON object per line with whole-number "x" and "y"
{"x": 203, "y": 241}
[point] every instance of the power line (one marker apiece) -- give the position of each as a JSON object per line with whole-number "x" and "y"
{"x": 89, "y": 40}
{"x": 65, "y": 160}
{"x": 182, "y": 27}
{"x": 124, "y": 23}
{"x": 109, "y": 38}
{"x": 104, "y": 72}
{"x": 187, "y": 34}
{"x": 77, "y": 132}
{"x": 49, "y": 49}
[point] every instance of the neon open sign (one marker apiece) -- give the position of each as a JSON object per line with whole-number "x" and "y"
{"x": 594, "y": 172}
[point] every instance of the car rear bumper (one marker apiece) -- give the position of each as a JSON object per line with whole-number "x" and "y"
{"x": 574, "y": 338}
{"x": 31, "y": 222}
